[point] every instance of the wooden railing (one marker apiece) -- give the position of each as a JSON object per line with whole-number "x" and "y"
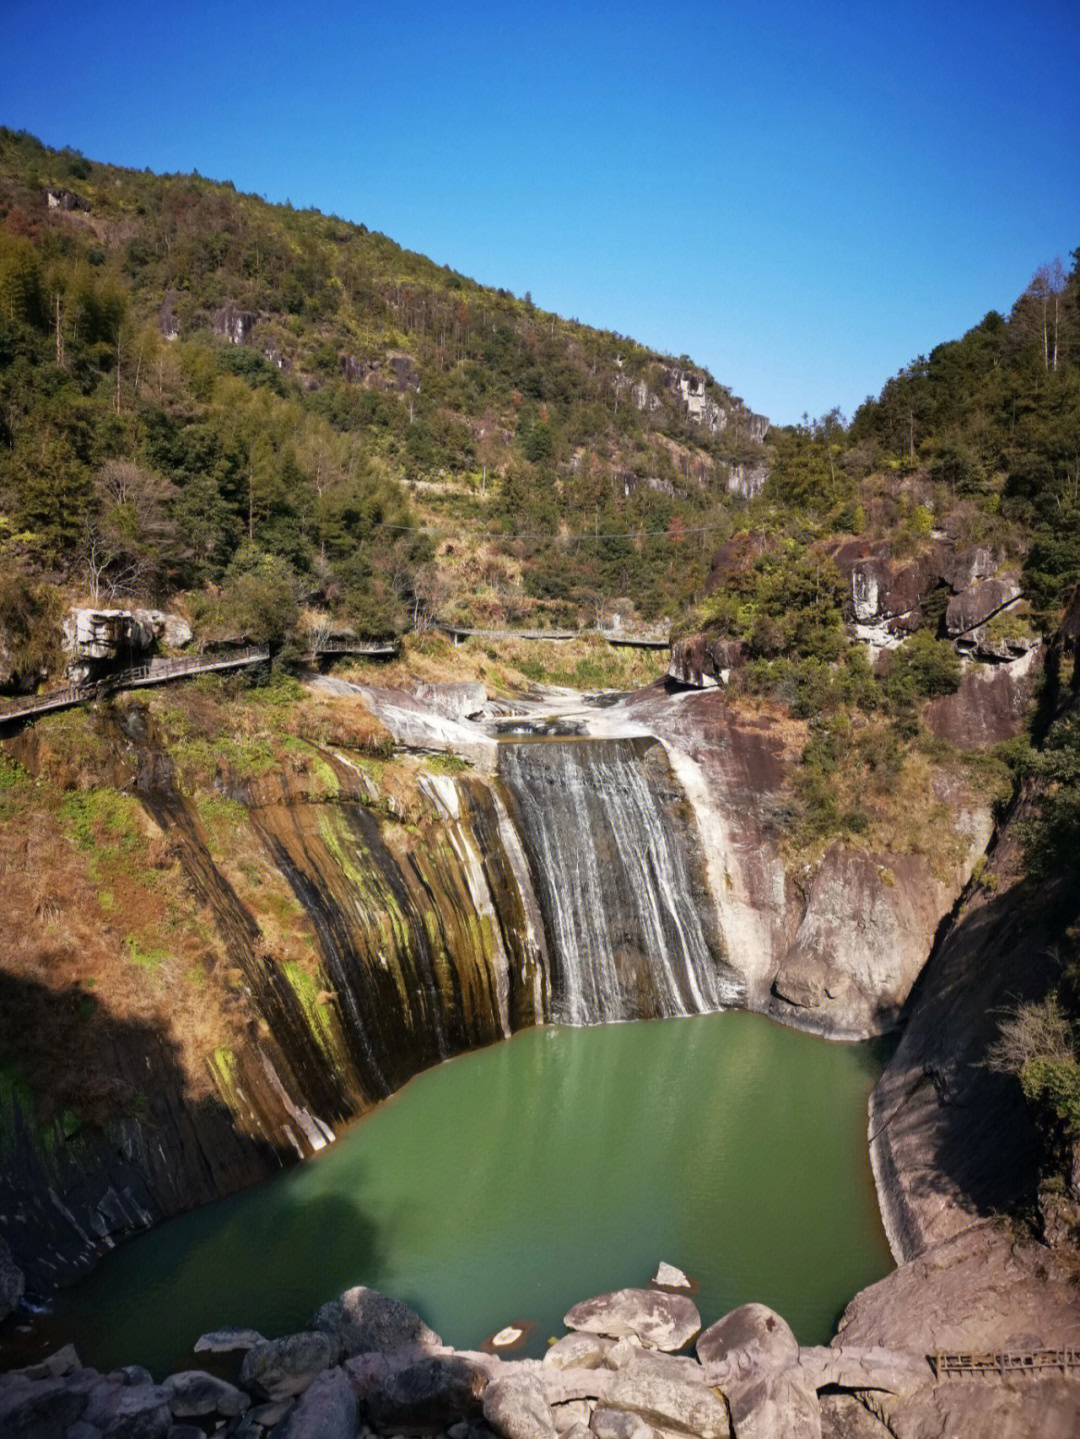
{"x": 638, "y": 639}
{"x": 155, "y": 673}
{"x": 340, "y": 646}
{"x": 1031, "y": 1361}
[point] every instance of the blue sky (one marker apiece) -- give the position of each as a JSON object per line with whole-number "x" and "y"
{"x": 802, "y": 197}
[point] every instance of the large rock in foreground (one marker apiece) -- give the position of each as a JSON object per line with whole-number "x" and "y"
{"x": 363, "y": 1320}
{"x": 658, "y": 1320}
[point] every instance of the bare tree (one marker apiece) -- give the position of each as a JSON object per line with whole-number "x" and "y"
{"x": 1046, "y": 291}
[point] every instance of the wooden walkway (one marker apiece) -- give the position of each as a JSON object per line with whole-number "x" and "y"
{"x": 156, "y": 673}
{"x": 334, "y": 646}
{"x": 638, "y": 640}
{"x": 1045, "y": 1362}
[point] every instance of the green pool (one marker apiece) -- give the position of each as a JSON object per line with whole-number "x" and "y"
{"x": 510, "y": 1183}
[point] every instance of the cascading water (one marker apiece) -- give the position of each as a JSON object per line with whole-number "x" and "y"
{"x": 615, "y": 859}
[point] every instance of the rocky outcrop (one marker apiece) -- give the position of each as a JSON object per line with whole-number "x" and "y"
{"x": 656, "y": 1319}
{"x": 993, "y": 703}
{"x": 704, "y": 661}
{"x": 97, "y": 638}
{"x": 363, "y": 1321}
{"x": 12, "y": 1282}
{"x": 750, "y": 1377}
{"x": 950, "y": 1140}
{"x": 836, "y": 948}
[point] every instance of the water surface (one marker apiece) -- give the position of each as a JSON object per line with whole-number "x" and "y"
{"x": 513, "y": 1182}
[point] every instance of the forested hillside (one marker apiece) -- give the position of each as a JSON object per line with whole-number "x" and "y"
{"x": 265, "y": 409}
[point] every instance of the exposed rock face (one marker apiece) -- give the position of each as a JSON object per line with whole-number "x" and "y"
{"x": 662, "y": 1321}
{"x": 234, "y": 324}
{"x": 863, "y": 936}
{"x": 106, "y": 634}
{"x": 96, "y": 638}
{"x": 992, "y": 704}
{"x": 704, "y": 661}
{"x": 454, "y": 701}
{"x": 952, "y": 1141}
{"x": 838, "y": 952}
{"x": 12, "y": 1282}
{"x": 747, "y": 481}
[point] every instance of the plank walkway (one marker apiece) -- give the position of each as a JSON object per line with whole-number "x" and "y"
{"x": 382, "y": 648}
{"x": 156, "y": 673}
{"x": 999, "y": 1366}
{"x": 458, "y": 633}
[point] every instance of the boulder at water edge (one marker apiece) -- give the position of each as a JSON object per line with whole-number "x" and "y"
{"x": 363, "y": 1320}
{"x": 660, "y": 1320}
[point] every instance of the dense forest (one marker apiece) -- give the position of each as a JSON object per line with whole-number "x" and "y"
{"x": 265, "y": 409}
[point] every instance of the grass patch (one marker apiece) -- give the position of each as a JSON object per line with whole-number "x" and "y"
{"x": 101, "y": 821}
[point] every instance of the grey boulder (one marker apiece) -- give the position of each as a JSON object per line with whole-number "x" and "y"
{"x": 428, "y": 1396}
{"x": 750, "y": 1339}
{"x": 658, "y": 1319}
{"x": 776, "y": 1405}
{"x": 516, "y": 1408}
{"x": 193, "y": 1394}
{"x": 228, "y": 1341}
{"x": 326, "y": 1410}
{"x": 278, "y": 1368}
{"x": 669, "y": 1403}
{"x": 141, "y": 1412}
{"x": 578, "y": 1351}
{"x": 37, "y": 1409}
{"x": 363, "y": 1320}
{"x": 618, "y": 1424}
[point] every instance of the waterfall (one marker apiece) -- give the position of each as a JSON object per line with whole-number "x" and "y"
{"x": 618, "y": 871}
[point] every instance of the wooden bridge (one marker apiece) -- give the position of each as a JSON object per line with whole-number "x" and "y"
{"x": 1042, "y": 1362}
{"x": 636, "y": 639}
{"x": 335, "y": 645}
{"x": 155, "y": 673}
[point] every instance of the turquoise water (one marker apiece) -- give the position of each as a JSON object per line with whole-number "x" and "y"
{"x": 510, "y": 1183}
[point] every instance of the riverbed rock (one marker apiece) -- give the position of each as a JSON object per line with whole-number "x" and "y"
{"x": 516, "y": 1408}
{"x": 429, "y": 1396}
{"x": 141, "y": 1412}
{"x": 37, "y": 1409}
{"x": 228, "y": 1341}
{"x": 193, "y": 1394}
{"x": 668, "y": 1403}
{"x": 55, "y": 1366}
{"x": 278, "y": 1368}
{"x": 668, "y": 1277}
{"x": 573, "y": 1412}
{"x": 363, "y": 1320}
{"x": 662, "y": 1321}
{"x": 751, "y": 1340}
{"x": 456, "y": 701}
{"x": 775, "y": 1405}
{"x": 620, "y": 1424}
{"x": 326, "y": 1410}
{"x": 578, "y": 1351}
